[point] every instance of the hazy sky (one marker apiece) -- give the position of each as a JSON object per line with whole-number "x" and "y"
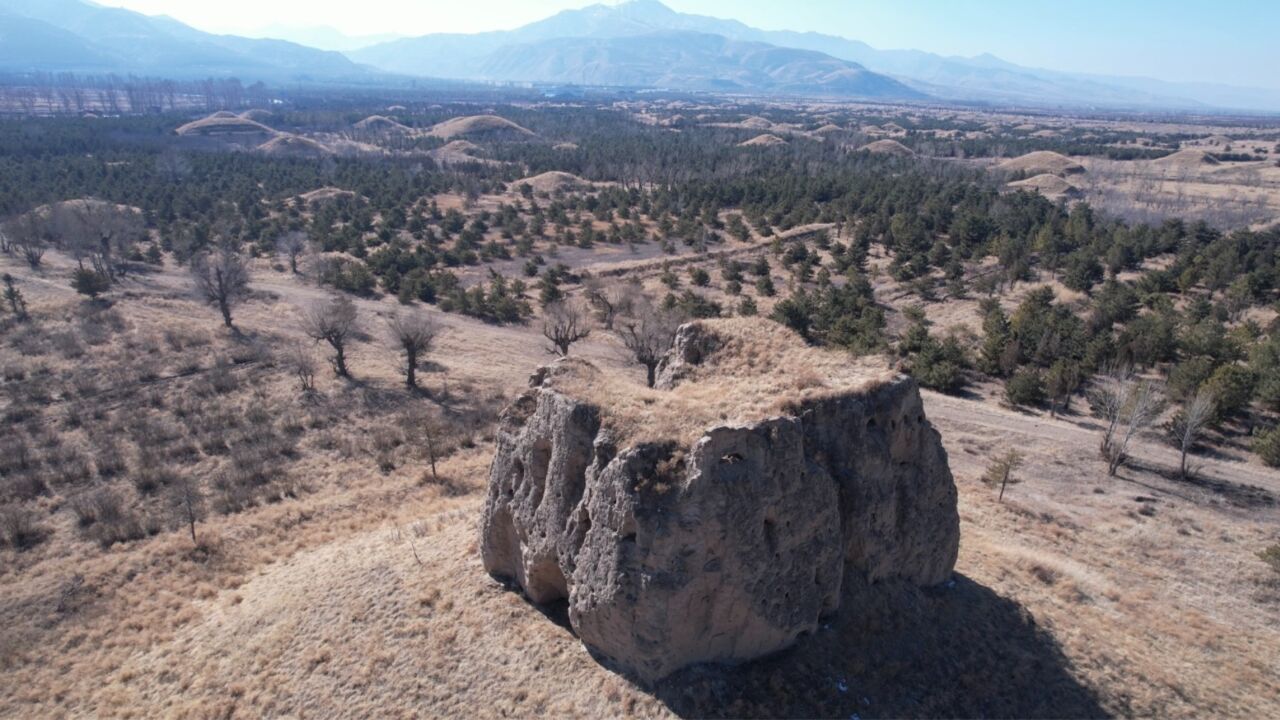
{"x": 1232, "y": 41}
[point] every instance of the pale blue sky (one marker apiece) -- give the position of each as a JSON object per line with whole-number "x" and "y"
{"x": 1230, "y": 41}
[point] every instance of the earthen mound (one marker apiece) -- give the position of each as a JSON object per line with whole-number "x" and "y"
{"x": 1051, "y": 186}
{"x": 294, "y": 146}
{"x": 380, "y": 124}
{"x": 1186, "y": 159}
{"x": 887, "y": 147}
{"x": 325, "y": 196}
{"x": 1041, "y": 162}
{"x": 480, "y": 126}
{"x": 765, "y": 140}
{"x": 554, "y": 181}
{"x": 459, "y": 152}
{"x": 224, "y": 124}
{"x": 721, "y": 516}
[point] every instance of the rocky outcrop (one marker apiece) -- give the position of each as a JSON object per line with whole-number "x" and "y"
{"x": 725, "y": 549}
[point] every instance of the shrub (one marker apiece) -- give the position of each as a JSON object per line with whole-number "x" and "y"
{"x": 69, "y": 466}
{"x": 152, "y": 473}
{"x": 939, "y": 365}
{"x": 90, "y": 282}
{"x": 351, "y": 276}
{"x": 1187, "y": 376}
{"x": 1026, "y": 387}
{"x": 20, "y": 526}
{"x": 108, "y": 458}
{"x": 26, "y": 485}
{"x": 1232, "y": 387}
{"x": 1271, "y": 556}
{"x": 1267, "y": 446}
{"x": 107, "y": 520}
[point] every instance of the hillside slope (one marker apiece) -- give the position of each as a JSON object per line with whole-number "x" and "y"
{"x": 688, "y": 61}
{"x": 81, "y": 36}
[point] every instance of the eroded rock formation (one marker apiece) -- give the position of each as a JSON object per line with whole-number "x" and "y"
{"x": 726, "y": 548}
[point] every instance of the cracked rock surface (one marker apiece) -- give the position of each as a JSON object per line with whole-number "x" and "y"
{"x": 725, "y": 549}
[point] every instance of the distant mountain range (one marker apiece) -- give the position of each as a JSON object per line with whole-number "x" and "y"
{"x": 615, "y": 28}
{"x": 641, "y": 43}
{"x": 688, "y": 61}
{"x": 638, "y": 43}
{"x": 322, "y": 37}
{"x": 77, "y": 36}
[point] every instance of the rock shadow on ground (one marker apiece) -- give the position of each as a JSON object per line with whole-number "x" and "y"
{"x": 957, "y": 650}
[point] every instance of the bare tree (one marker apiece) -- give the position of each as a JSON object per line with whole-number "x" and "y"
{"x": 303, "y": 368}
{"x": 25, "y": 235}
{"x": 292, "y": 245}
{"x": 222, "y": 277}
{"x": 1189, "y": 424}
{"x": 433, "y": 431}
{"x": 186, "y": 502}
{"x": 564, "y": 323}
{"x": 1129, "y": 405}
{"x": 648, "y": 333}
{"x": 1001, "y": 471}
{"x": 609, "y": 299}
{"x": 414, "y": 333}
{"x": 333, "y": 321}
{"x": 99, "y": 232}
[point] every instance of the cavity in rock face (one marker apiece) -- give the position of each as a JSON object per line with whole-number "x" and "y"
{"x": 727, "y": 548}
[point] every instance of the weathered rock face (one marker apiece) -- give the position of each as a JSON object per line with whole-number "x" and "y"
{"x": 726, "y": 550}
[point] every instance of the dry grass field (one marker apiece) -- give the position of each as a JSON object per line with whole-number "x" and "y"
{"x": 335, "y": 575}
{"x": 1237, "y": 193}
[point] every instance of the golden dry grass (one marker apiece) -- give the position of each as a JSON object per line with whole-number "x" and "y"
{"x": 758, "y": 370}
